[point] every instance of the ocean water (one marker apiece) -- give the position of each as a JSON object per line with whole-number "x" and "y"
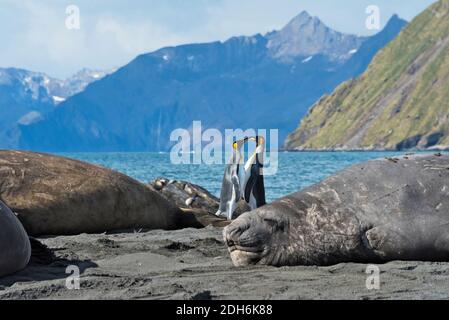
{"x": 295, "y": 170}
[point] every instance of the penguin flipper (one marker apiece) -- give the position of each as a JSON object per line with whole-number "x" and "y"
{"x": 232, "y": 204}
{"x": 236, "y": 186}
{"x": 259, "y": 191}
{"x": 227, "y": 190}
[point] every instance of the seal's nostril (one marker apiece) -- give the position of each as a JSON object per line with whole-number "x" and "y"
{"x": 233, "y": 232}
{"x": 227, "y": 235}
{"x": 238, "y": 230}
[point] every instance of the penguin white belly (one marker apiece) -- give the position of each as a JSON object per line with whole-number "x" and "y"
{"x": 252, "y": 202}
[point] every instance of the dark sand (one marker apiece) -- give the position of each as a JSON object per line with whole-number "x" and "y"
{"x": 194, "y": 264}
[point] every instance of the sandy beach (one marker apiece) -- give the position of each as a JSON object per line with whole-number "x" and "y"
{"x": 194, "y": 264}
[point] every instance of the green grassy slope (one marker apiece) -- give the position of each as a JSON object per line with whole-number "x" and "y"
{"x": 400, "y": 102}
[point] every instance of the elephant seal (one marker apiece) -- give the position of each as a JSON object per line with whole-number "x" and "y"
{"x": 185, "y": 194}
{"x": 197, "y": 204}
{"x": 374, "y": 212}
{"x": 15, "y": 248}
{"x": 53, "y": 195}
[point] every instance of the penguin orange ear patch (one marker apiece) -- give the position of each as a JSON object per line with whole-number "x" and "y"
{"x": 234, "y": 145}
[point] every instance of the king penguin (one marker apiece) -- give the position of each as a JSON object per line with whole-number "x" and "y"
{"x": 243, "y": 181}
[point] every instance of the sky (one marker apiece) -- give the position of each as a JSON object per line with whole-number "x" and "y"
{"x": 34, "y": 34}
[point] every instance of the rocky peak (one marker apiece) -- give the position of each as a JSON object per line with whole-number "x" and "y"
{"x": 301, "y": 21}
{"x": 305, "y": 36}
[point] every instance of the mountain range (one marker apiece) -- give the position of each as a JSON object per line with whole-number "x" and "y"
{"x": 262, "y": 82}
{"x": 27, "y": 97}
{"x": 401, "y": 102}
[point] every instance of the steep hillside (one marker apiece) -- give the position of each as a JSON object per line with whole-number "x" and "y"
{"x": 400, "y": 102}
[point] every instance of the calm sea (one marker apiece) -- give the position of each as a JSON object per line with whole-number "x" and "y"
{"x": 295, "y": 171}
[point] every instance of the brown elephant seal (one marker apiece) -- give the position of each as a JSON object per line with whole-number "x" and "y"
{"x": 59, "y": 196}
{"x": 190, "y": 196}
{"x": 377, "y": 211}
{"x": 185, "y": 194}
{"x": 197, "y": 204}
{"x": 15, "y": 248}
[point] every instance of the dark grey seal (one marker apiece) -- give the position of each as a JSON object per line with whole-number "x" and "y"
{"x": 378, "y": 211}
{"x": 15, "y": 248}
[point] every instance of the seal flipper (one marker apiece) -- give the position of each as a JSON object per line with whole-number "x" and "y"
{"x": 389, "y": 244}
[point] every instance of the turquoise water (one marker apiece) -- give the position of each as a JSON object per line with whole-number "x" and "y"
{"x": 295, "y": 171}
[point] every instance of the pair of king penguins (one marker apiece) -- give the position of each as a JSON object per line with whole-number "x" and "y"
{"x": 243, "y": 180}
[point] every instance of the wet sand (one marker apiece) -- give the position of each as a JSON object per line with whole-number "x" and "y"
{"x": 194, "y": 264}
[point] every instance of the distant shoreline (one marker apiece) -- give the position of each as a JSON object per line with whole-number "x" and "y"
{"x": 445, "y": 149}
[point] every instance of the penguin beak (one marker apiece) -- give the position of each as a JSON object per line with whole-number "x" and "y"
{"x": 258, "y": 153}
{"x": 260, "y": 141}
{"x": 237, "y": 145}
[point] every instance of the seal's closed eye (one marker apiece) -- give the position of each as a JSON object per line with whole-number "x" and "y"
{"x": 275, "y": 223}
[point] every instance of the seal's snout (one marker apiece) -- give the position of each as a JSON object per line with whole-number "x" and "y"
{"x": 227, "y": 238}
{"x": 246, "y": 241}
{"x": 232, "y": 233}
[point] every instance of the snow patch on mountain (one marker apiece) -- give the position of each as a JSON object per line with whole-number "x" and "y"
{"x": 57, "y": 99}
{"x": 307, "y": 59}
{"x": 29, "y": 118}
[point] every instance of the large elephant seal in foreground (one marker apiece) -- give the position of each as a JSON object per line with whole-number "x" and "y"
{"x": 15, "y": 249}
{"x": 59, "y": 196}
{"x": 381, "y": 210}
